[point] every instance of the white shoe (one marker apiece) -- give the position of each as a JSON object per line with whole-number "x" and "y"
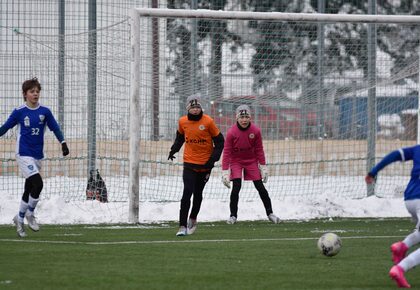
{"x": 181, "y": 232}
{"x": 231, "y": 220}
{"x": 272, "y": 217}
{"x": 32, "y": 224}
{"x": 192, "y": 226}
{"x": 20, "y": 229}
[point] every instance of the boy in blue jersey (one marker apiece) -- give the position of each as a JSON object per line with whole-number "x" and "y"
{"x": 31, "y": 119}
{"x": 412, "y": 202}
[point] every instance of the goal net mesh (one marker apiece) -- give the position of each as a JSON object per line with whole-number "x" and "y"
{"x": 308, "y": 85}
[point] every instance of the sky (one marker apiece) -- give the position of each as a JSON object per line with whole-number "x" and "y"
{"x": 55, "y": 210}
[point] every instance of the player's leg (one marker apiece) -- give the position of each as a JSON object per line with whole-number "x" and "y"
{"x": 234, "y": 199}
{"x": 18, "y": 219}
{"x": 399, "y": 249}
{"x": 36, "y": 188}
{"x": 200, "y": 182}
{"x": 188, "y": 177}
{"x": 262, "y": 191}
{"x": 236, "y": 171}
{"x": 23, "y": 206}
{"x": 28, "y": 167}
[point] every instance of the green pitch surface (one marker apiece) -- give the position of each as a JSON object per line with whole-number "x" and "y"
{"x": 247, "y": 255}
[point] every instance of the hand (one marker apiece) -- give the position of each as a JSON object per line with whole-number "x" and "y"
{"x": 65, "y": 149}
{"x": 209, "y": 164}
{"x": 171, "y": 156}
{"x": 264, "y": 173}
{"x": 226, "y": 178}
{"x": 370, "y": 178}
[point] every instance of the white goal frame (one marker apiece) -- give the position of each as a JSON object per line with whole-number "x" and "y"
{"x": 138, "y": 47}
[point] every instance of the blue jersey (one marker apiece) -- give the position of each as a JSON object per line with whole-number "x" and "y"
{"x": 404, "y": 154}
{"x": 31, "y": 128}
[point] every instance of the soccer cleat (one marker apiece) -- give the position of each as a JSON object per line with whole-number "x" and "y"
{"x": 231, "y": 220}
{"x": 181, "y": 232}
{"x": 272, "y": 217}
{"x": 398, "y": 249}
{"x": 20, "y": 229}
{"x": 32, "y": 224}
{"x": 397, "y": 274}
{"x": 192, "y": 226}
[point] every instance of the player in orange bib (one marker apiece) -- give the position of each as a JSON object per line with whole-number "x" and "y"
{"x": 203, "y": 147}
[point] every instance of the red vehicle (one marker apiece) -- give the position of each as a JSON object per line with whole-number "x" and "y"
{"x": 278, "y": 119}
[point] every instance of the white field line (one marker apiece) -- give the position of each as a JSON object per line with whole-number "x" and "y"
{"x": 182, "y": 240}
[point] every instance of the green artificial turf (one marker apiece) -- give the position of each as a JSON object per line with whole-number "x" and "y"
{"x": 247, "y": 255}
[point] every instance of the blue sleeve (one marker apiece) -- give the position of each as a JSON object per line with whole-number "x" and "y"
{"x": 10, "y": 123}
{"x": 388, "y": 159}
{"x": 59, "y": 135}
{"x": 3, "y": 130}
{"x": 53, "y": 126}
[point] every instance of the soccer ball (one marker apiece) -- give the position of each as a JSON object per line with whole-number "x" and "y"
{"x": 329, "y": 244}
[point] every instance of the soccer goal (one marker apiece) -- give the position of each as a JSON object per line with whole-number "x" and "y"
{"x": 331, "y": 93}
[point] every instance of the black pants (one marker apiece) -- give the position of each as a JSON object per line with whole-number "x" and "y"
{"x": 234, "y": 196}
{"x": 194, "y": 183}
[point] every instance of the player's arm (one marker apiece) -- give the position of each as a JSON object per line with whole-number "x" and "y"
{"x": 60, "y": 137}
{"x": 176, "y": 146}
{"x": 259, "y": 149}
{"x": 3, "y": 130}
{"x": 10, "y": 123}
{"x": 218, "y": 142}
{"x": 227, "y": 151}
{"x": 394, "y": 156}
{"x": 53, "y": 126}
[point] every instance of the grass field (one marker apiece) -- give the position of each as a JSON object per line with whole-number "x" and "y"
{"x": 248, "y": 255}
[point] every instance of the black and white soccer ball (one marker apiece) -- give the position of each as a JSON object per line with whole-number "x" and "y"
{"x": 329, "y": 244}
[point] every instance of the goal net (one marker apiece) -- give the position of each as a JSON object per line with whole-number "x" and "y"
{"x": 332, "y": 95}
{"x": 310, "y": 80}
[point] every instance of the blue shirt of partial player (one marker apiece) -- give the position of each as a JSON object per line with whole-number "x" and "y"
{"x": 404, "y": 154}
{"x": 31, "y": 128}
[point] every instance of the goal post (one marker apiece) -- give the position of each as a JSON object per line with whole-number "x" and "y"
{"x": 310, "y": 99}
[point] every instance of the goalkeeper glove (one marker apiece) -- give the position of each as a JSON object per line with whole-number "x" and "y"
{"x": 226, "y": 178}
{"x": 65, "y": 149}
{"x": 370, "y": 178}
{"x": 264, "y": 173}
{"x": 171, "y": 155}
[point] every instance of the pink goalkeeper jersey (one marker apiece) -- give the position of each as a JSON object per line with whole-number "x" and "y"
{"x": 243, "y": 147}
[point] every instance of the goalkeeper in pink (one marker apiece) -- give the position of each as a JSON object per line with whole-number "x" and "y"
{"x": 399, "y": 249}
{"x": 243, "y": 156}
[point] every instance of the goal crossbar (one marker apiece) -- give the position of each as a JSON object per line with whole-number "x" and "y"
{"x": 278, "y": 16}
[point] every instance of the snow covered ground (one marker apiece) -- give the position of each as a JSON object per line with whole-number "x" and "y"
{"x": 55, "y": 210}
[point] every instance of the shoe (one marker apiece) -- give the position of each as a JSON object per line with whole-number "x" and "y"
{"x": 398, "y": 249}
{"x": 32, "y": 224}
{"x": 191, "y": 226}
{"x": 181, "y": 232}
{"x": 272, "y": 217}
{"x": 231, "y": 220}
{"x": 20, "y": 229}
{"x": 397, "y": 274}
